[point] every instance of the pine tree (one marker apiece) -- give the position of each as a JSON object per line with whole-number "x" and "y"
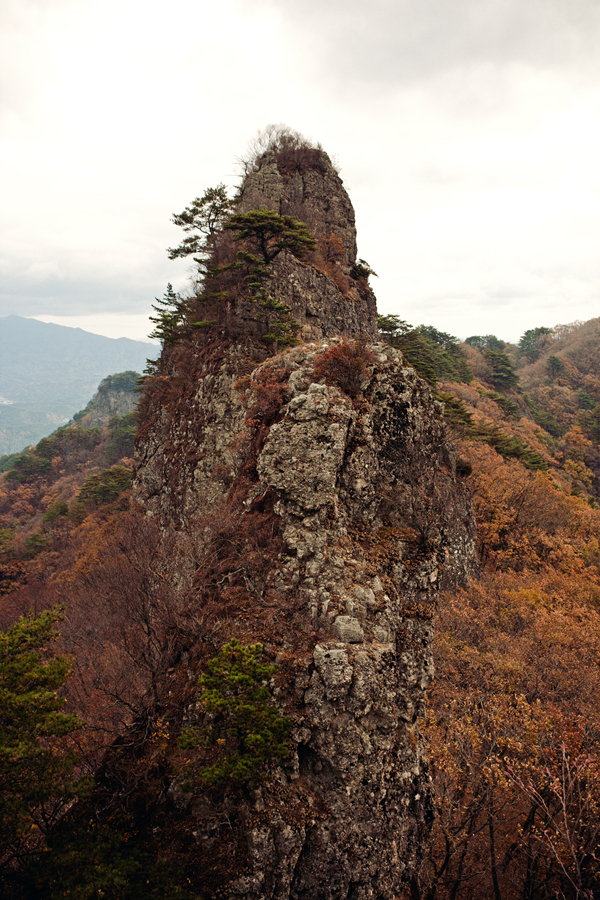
{"x": 272, "y": 233}
{"x": 36, "y": 768}
{"x": 202, "y": 219}
{"x": 171, "y": 311}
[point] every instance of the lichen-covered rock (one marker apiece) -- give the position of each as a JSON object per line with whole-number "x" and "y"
{"x": 322, "y": 513}
{"x": 321, "y": 308}
{"x": 188, "y": 452}
{"x": 372, "y": 521}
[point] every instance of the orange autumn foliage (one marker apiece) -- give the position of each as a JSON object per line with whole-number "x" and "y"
{"x": 514, "y": 715}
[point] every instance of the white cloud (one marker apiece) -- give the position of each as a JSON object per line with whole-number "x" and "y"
{"x": 45, "y": 271}
{"x": 468, "y": 135}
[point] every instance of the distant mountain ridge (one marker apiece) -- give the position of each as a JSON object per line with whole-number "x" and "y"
{"x": 49, "y": 372}
{"x": 45, "y": 362}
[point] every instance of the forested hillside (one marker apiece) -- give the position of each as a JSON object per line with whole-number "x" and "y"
{"x": 513, "y": 723}
{"x": 48, "y": 372}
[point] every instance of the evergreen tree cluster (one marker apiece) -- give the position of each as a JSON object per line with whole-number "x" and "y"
{"x": 38, "y": 775}
{"x": 436, "y": 355}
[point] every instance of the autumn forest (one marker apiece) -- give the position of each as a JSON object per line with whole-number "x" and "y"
{"x": 513, "y": 722}
{"x": 513, "y": 715}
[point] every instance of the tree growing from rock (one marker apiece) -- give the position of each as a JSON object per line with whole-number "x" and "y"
{"x": 271, "y": 233}
{"x": 202, "y": 220}
{"x": 243, "y": 720}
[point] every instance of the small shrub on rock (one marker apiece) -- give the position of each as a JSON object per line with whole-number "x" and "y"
{"x": 344, "y": 365}
{"x": 268, "y": 393}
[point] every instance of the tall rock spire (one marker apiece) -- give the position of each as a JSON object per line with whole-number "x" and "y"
{"x": 326, "y": 293}
{"x": 320, "y": 502}
{"x": 305, "y": 185}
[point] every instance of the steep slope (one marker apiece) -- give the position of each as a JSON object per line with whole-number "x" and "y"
{"x": 318, "y": 499}
{"x": 41, "y": 487}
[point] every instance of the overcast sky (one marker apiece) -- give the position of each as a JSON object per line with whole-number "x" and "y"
{"x": 467, "y": 132}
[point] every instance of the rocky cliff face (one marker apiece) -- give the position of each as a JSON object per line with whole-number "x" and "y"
{"x": 115, "y": 397}
{"x": 307, "y": 188}
{"x": 320, "y": 291}
{"x": 319, "y": 487}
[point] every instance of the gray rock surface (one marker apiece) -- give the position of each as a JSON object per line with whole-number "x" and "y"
{"x": 319, "y": 291}
{"x": 368, "y": 521}
{"x": 373, "y": 521}
{"x": 106, "y": 405}
{"x": 313, "y": 194}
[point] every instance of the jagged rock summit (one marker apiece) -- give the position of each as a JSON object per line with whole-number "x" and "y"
{"x": 318, "y": 496}
{"x": 306, "y": 186}
{"x": 322, "y": 296}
